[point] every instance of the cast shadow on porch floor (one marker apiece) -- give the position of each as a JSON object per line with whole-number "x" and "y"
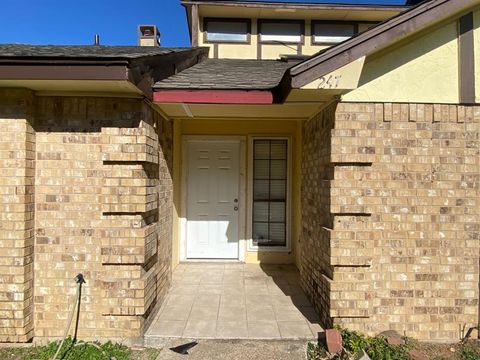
{"x": 235, "y": 301}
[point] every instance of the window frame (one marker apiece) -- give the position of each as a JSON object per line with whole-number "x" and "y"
{"x": 246, "y": 21}
{"x": 281, "y": 21}
{"x": 288, "y": 244}
{"x": 331, "y": 22}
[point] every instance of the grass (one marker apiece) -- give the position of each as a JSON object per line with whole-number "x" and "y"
{"x": 78, "y": 351}
{"x": 468, "y": 352}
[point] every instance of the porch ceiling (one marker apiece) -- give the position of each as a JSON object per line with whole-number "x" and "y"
{"x": 294, "y": 110}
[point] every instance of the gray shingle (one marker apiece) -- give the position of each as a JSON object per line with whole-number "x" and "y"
{"x": 82, "y": 51}
{"x": 228, "y": 74}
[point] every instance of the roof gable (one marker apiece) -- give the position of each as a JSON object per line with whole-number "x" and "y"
{"x": 375, "y": 39}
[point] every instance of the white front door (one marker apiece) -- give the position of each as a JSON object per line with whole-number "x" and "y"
{"x": 212, "y": 199}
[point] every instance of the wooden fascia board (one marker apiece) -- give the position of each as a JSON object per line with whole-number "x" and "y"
{"x": 306, "y": 6}
{"x": 214, "y": 96}
{"x": 466, "y": 59}
{"x": 63, "y": 71}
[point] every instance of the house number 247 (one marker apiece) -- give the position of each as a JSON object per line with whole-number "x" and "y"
{"x": 329, "y": 82}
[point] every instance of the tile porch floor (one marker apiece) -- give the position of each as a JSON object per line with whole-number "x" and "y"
{"x": 235, "y": 301}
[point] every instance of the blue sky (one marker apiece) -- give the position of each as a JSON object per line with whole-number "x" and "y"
{"x": 76, "y": 22}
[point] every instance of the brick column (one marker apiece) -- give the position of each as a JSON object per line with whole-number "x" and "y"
{"x": 17, "y": 167}
{"x": 390, "y": 212}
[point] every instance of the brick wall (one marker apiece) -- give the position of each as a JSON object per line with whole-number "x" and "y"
{"x": 395, "y": 241}
{"x": 17, "y": 167}
{"x": 103, "y": 207}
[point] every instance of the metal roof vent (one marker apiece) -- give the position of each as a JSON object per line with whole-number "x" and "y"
{"x": 148, "y": 35}
{"x": 96, "y": 40}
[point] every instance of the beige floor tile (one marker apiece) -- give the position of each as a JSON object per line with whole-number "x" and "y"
{"x": 234, "y": 266}
{"x": 235, "y": 301}
{"x": 177, "y": 276}
{"x": 176, "y": 313}
{"x": 263, "y": 330}
{"x": 260, "y": 314}
{"x": 213, "y": 268}
{"x": 232, "y": 330}
{"x": 180, "y": 300}
{"x": 209, "y": 313}
{"x": 281, "y": 300}
{"x": 316, "y": 329}
{"x": 295, "y": 330}
{"x": 255, "y": 281}
{"x": 188, "y": 280}
{"x": 279, "y": 289}
{"x": 211, "y": 279}
{"x": 232, "y": 300}
{"x": 167, "y": 328}
{"x": 207, "y": 300}
{"x": 252, "y": 267}
{"x": 259, "y": 300}
{"x": 200, "y": 329}
{"x": 194, "y": 272}
{"x": 184, "y": 289}
{"x": 233, "y": 271}
{"x": 215, "y": 289}
{"x": 233, "y": 278}
{"x": 288, "y": 313}
{"x": 232, "y": 313}
{"x": 233, "y": 282}
{"x": 236, "y": 290}
{"x": 256, "y": 290}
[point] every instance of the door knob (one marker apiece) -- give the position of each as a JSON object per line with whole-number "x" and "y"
{"x": 235, "y": 208}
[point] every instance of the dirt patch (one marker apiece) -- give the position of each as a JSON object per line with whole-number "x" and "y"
{"x": 468, "y": 351}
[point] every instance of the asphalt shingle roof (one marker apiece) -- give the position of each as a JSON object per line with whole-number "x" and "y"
{"x": 83, "y": 51}
{"x": 228, "y": 74}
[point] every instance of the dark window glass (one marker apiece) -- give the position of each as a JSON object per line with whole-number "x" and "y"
{"x": 270, "y": 192}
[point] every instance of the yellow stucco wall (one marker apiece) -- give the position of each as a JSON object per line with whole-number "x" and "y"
{"x": 245, "y": 128}
{"x": 476, "y": 34}
{"x": 273, "y": 51}
{"x": 423, "y": 69}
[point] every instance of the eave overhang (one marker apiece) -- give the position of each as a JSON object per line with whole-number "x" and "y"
{"x": 297, "y": 5}
{"x": 138, "y": 74}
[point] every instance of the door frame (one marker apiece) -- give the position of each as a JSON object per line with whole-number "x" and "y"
{"x": 242, "y": 242}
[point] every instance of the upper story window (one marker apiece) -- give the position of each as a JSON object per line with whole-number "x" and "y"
{"x": 227, "y": 30}
{"x": 332, "y": 32}
{"x": 282, "y": 31}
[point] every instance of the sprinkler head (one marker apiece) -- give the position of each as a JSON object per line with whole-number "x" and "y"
{"x": 79, "y": 279}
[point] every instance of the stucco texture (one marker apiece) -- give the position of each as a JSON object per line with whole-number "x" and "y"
{"x": 423, "y": 69}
